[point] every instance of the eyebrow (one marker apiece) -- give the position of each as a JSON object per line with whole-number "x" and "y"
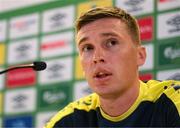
{"x": 102, "y": 34}
{"x": 109, "y": 34}
{"x": 82, "y": 40}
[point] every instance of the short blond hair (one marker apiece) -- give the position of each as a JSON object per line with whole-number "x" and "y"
{"x": 110, "y": 12}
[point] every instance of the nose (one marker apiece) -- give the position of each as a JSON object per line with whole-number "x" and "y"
{"x": 98, "y": 56}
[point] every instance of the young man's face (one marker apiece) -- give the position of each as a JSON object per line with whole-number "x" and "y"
{"x": 109, "y": 57}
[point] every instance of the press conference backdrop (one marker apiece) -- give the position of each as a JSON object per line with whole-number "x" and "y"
{"x": 46, "y": 32}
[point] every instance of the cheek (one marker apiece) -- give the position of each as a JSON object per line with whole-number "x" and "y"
{"x": 85, "y": 62}
{"x": 125, "y": 60}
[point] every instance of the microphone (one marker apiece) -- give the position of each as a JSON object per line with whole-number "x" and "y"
{"x": 37, "y": 66}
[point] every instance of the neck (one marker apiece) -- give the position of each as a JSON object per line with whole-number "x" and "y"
{"x": 119, "y": 105}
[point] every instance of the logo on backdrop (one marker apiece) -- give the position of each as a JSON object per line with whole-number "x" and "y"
{"x": 169, "y": 54}
{"x": 172, "y": 53}
{"x": 55, "y": 96}
{"x": 18, "y": 122}
{"x": 170, "y": 24}
{"x": 57, "y": 20}
{"x": 57, "y": 44}
{"x": 81, "y": 89}
{"x": 175, "y": 76}
{"x": 19, "y": 99}
{"x": 87, "y": 90}
{"x": 43, "y": 117}
{"x": 145, "y": 76}
{"x": 134, "y": 5}
{"x": 146, "y": 28}
{"x": 167, "y": 4}
{"x": 21, "y": 77}
{"x": 55, "y": 70}
{"x": 58, "y": 70}
{"x": 175, "y": 23}
{"x": 24, "y": 26}
{"x": 22, "y": 51}
{"x": 52, "y": 45}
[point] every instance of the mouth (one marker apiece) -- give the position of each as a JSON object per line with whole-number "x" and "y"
{"x": 102, "y": 75}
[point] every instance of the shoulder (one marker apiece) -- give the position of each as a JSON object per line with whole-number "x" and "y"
{"x": 173, "y": 93}
{"x": 90, "y": 102}
{"x": 170, "y": 88}
{"x": 166, "y": 86}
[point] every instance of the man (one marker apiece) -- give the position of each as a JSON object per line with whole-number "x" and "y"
{"x": 110, "y": 52}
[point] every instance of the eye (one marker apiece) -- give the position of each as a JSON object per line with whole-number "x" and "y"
{"x": 111, "y": 43}
{"x": 87, "y": 48}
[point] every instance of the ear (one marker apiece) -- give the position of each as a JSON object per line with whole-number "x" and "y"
{"x": 141, "y": 55}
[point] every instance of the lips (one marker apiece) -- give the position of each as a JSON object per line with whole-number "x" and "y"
{"x": 102, "y": 74}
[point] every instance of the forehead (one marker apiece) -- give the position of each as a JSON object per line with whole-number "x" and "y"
{"x": 105, "y": 25}
{"x": 102, "y": 23}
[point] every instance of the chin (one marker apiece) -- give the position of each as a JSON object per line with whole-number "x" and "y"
{"x": 103, "y": 92}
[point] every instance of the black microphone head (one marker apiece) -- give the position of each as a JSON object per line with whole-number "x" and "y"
{"x": 39, "y": 65}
